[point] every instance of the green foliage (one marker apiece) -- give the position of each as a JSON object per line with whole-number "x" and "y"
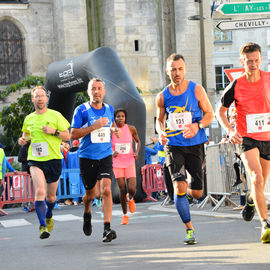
{"x": 82, "y": 97}
{"x": 26, "y": 82}
{"x": 12, "y": 117}
{"x": 16, "y": 165}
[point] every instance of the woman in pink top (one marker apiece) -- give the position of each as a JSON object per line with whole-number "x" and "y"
{"x": 124, "y": 162}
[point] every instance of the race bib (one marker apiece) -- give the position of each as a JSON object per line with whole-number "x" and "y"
{"x": 177, "y": 121}
{"x": 40, "y": 149}
{"x": 257, "y": 122}
{"x": 101, "y": 135}
{"x": 122, "y": 148}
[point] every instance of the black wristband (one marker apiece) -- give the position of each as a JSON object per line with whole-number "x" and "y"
{"x": 57, "y": 132}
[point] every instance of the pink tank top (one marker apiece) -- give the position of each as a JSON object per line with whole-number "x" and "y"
{"x": 124, "y": 147}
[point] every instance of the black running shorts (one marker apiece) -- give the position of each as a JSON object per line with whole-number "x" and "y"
{"x": 263, "y": 146}
{"x": 182, "y": 158}
{"x": 93, "y": 170}
{"x": 51, "y": 168}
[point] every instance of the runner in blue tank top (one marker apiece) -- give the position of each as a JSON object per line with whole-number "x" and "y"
{"x": 92, "y": 121}
{"x": 180, "y": 125}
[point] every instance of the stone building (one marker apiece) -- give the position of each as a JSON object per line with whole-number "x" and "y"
{"x": 36, "y": 33}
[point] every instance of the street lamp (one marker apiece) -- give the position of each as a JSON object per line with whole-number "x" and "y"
{"x": 202, "y": 42}
{"x": 200, "y": 18}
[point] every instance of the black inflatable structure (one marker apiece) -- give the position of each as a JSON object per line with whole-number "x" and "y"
{"x": 67, "y": 77}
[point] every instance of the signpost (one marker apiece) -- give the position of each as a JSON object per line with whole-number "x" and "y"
{"x": 243, "y": 24}
{"x": 244, "y": 8}
{"x": 233, "y": 73}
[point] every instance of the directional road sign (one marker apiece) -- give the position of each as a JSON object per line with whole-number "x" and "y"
{"x": 244, "y": 8}
{"x": 243, "y": 24}
{"x": 233, "y": 73}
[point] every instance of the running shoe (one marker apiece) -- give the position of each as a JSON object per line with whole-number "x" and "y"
{"x": 98, "y": 203}
{"x": 87, "y": 226}
{"x": 125, "y": 220}
{"x": 167, "y": 201}
{"x": 109, "y": 235}
{"x": 43, "y": 232}
{"x": 190, "y": 238}
{"x": 248, "y": 211}
{"x": 237, "y": 182}
{"x": 131, "y": 205}
{"x": 265, "y": 234}
{"x": 94, "y": 202}
{"x": 49, "y": 223}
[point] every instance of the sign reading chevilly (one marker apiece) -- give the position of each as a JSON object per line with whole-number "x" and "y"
{"x": 243, "y": 24}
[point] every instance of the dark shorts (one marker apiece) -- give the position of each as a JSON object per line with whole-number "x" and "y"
{"x": 51, "y": 168}
{"x": 182, "y": 158}
{"x": 93, "y": 170}
{"x": 263, "y": 146}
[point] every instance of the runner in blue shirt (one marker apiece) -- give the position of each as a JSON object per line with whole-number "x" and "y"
{"x": 93, "y": 122}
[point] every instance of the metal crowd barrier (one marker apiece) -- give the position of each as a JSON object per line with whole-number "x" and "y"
{"x": 16, "y": 188}
{"x": 153, "y": 180}
{"x": 220, "y": 174}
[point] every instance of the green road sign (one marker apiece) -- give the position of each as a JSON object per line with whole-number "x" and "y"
{"x": 244, "y": 8}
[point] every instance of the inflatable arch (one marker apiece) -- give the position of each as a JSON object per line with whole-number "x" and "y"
{"x": 67, "y": 77}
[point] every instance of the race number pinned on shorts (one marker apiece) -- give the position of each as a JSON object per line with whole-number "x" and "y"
{"x": 40, "y": 149}
{"x": 257, "y": 122}
{"x": 122, "y": 148}
{"x": 177, "y": 121}
{"x": 101, "y": 135}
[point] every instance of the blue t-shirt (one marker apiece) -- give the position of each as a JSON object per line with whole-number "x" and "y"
{"x": 160, "y": 148}
{"x": 85, "y": 115}
{"x": 148, "y": 153}
{"x": 186, "y": 102}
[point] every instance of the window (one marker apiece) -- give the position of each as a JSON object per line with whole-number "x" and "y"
{"x": 221, "y": 79}
{"x": 12, "y": 64}
{"x": 221, "y": 36}
{"x": 136, "y": 45}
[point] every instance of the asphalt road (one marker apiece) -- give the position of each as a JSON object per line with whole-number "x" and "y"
{"x": 152, "y": 240}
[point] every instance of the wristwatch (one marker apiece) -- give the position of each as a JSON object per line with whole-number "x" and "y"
{"x": 57, "y": 132}
{"x": 200, "y": 125}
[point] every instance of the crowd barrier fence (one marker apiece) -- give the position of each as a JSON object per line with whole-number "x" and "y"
{"x": 220, "y": 159}
{"x": 153, "y": 180}
{"x": 70, "y": 185}
{"x": 16, "y": 188}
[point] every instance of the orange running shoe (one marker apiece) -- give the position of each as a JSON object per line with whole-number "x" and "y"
{"x": 124, "y": 220}
{"x": 131, "y": 206}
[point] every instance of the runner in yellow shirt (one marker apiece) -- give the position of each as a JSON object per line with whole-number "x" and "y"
{"x": 45, "y": 128}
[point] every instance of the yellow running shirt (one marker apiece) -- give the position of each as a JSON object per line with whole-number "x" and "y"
{"x": 43, "y": 146}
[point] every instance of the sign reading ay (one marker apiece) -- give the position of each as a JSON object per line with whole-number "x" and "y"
{"x": 244, "y": 8}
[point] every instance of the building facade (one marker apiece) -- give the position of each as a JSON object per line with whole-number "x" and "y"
{"x": 36, "y": 33}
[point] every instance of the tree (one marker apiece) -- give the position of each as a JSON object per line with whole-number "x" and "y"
{"x": 12, "y": 117}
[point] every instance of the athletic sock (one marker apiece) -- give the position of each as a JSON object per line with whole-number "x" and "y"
{"x": 249, "y": 200}
{"x": 41, "y": 211}
{"x": 182, "y": 206}
{"x": 107, "y": 226}
{"x": 49, "y": 209}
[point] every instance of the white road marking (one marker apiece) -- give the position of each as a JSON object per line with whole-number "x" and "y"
{"x": 67, "y": 217}
{"x": 14, "y": 223}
